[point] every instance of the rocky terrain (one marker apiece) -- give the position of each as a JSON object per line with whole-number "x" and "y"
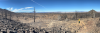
{"x": 11, "y": 22}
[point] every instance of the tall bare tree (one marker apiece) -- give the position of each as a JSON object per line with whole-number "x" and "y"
{"x": 10, "y": 14}
{"x": 5, "y": 13}
{"x": 34, "y": 14}
{"x": 75, "y": 14}
{"x": 86, "y": 15}
{"x": 2, "y": 13}
{"x": 93, "y": 14}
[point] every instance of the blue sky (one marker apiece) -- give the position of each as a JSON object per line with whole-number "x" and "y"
{"x": 50, "y": 5}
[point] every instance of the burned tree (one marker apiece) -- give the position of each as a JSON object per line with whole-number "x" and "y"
{"x": 59, "y": 17}
{"x": 92, "y": 13}
{"x": 62, "y": 17}
{"x": 34, "y": 14}
{"x": 86, "y": 15}
{"x": 75, "y": 14}
{"x": 2, "y": 13}
{"x": 10, "y": 15}
{"x": 5, "y": 14}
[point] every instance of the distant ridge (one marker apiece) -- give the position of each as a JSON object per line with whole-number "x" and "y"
{"x": 51, "y": 12}
{"x": 5, "y": 10}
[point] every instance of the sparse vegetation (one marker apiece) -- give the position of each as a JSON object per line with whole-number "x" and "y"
{"x": 48, "y": 22}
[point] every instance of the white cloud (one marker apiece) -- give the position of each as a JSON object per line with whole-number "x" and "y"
{"x": 7, "y": 8}
{"x": 28, "y": 7}
{"x": 37, "y": 3}
{"x": 26, "y": 10}
{"x": 10, "y": 8}
{"x": 21, "y": 9}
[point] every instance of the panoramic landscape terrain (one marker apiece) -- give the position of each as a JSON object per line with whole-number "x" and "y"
{"x": 49, "y": 16}
{"x": 11, "y": 22}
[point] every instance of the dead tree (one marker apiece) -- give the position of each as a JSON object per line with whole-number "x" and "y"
{"x": 75, "y": 14}
{"x": 2, "y": 13}
{"x": 34, "y": 14}
{"x": 65, "y": 16}
{"x": 59, "y": 17}
{"x": 92, "y": 12}
{"x": 99, "y": 19}
{"x": 23, "y": 15}
{"x": 17, "y": 16}
{"x": 86, "y": 15}
{"x": 10, "y": 16}
{"x": 5, "y": 14}
{"x": 53, "y": 30}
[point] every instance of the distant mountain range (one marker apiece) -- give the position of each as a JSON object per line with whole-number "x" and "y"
{"x": 38, "y": 12}
{"x": 48, "y": 12}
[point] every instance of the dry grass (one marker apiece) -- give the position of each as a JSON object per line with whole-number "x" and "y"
{"x": 86, "y": 25}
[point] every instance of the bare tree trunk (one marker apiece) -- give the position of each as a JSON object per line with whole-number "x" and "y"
{"x": 10, "y": 16}
{"x": 5, "y": 14}
{"x": 86, "y": 15}
{"x": 93, "y": 14}
{"x": 75, "y": 14}
{"x": 2, "y": 13}
{"x": 34, "y": 14}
